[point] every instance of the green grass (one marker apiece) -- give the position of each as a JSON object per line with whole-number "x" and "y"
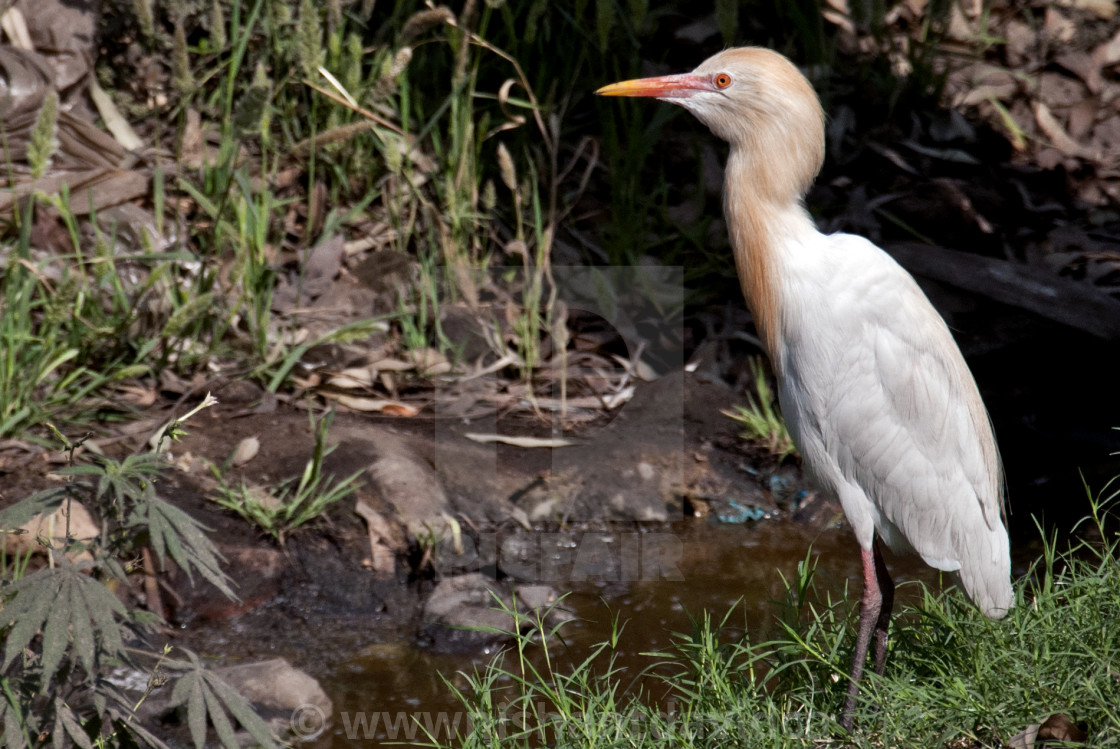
{"x": 294, "y": 502}
{"x": 72, "y": 324}
{"x": 468, "y": 136}
{"x": 953, "y": 677}
{"x": 760, "y": 419}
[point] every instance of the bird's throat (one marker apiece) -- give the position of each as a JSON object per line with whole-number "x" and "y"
{"x": 760, "y": 223}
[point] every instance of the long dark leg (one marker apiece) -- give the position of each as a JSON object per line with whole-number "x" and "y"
{"x": 886, "y": 591}
{"x": 874, "y": 615}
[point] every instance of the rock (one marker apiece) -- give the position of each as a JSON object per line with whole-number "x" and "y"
{"x": 83, "y": 528}
{"x": 657, "y": 449}
{"x": 472, "y": 612}
{"x": 462, "y": 326}
{"x": 288, "y": 698}
{"x": 536, "y": 597}
{"x": 409, "y": 506}
{"x": 818, "y": 510}
{"x": 407, "y": 483}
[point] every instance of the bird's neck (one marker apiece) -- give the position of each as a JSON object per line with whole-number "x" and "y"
{"x": 763, "y": 224}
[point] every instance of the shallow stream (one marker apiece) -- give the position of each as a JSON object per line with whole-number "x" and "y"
{"x": 382, "y": 688}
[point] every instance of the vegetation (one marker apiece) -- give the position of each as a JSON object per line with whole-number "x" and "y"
{"x": 453, "y": 140}
{"x": 761, "y": 420}
{"x": 462, "y": 142}
{"x": 953, "y": 678}
{"x": 65, "y": 628}
{"x": 295, "y": 501}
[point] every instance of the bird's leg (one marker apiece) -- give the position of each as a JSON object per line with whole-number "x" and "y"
{"x": 886, "y": 590}
{"x": 870, "y": 605}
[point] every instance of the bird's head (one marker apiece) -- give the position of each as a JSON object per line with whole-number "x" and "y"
{"x": 759, "y": 102}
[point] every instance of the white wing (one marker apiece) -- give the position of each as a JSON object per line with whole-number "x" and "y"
{"x": 887, "y": 415}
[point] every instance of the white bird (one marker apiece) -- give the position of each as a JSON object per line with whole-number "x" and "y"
{"x": 876, "y": 394}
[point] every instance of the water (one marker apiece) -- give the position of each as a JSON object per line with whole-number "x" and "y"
{"x": 379, "y": 684}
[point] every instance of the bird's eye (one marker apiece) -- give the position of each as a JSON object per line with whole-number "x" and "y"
{"x": 722, "y": 80}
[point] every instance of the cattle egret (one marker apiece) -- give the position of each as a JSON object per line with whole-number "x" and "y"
{"x": 876, "y": 394}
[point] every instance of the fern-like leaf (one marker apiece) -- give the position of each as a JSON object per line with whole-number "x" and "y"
{"x": 26, "y": 613}
{"x": 207, "y": 696}
{"x": 39, "y": 503}
{"x": 67, "y": 724}
{"x": 72, "y": 610}
{"x": 16, "y": 733}
{"x": 176, "y": 534}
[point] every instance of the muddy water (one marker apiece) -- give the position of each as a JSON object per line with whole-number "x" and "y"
{"x": 379, "y": 684}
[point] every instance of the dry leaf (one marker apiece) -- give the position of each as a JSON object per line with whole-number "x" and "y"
{"x": 1109, "y": 52}
{"x": 1059, "y": 727}
{"x": 1025, "y": 739}
{"x": 137, "y": 395}
{"x": 66, "y": 32}
{"x": 1021, "y": 41}
{"x": 372, "y": 405}
{"x": 614, "y": 400}
{"x": 52, "y": 528}
{"x": 1059, "y": 90}
{"x": 15, "y": 27}
{"x": 838, "y": 14}
{"x": 1057, "y": 26}
{"x": 92, "y": 189}
{"x": 1053, "y": 130}
{"x": 506, "y": 439}
{"x": 392, "y": 365}
{"x": 1082, "y": 116}
{"x": 354, "y": 377}
{"x": 986, "y": 82}
{"x": 1102, "y": 9}
{"x": 429, "y": 361}
{"x": 382, "y": 539}
{"x": 114, "y": 121}
{"x": 247, "y": 449}
{"x": 193, "y": 150}
{"x": 1084, "y": 66}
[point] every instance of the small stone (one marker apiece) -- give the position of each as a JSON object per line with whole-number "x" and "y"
{"x": 279, "y": 691}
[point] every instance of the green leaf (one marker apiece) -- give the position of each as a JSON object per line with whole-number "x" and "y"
{"x": 64, "y": 603}
{"x": 241, "y": 709}
{"x": 158, "y": 531}
{"x": 69, "y": 721}
{"x": 182, "y": 538}
{"x": 15, "y": 736}
{"x": 181, "y": 689}
{"x": 27, "y": 611}
{"x": 55, "y": 634}
{"x": 101, "y": 606}
{"x": 206, "y": 695}
{"x": 220, "y": 720}
{"x": 124, "y": 723}
{"x": 39, "y": 503}
{"x": 196, "y": 711}
{"x": 81, "y": 632}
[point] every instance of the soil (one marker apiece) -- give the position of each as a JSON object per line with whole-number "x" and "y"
{"x": 668, "y": 456}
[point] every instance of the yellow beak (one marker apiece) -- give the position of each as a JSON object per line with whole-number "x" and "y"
{"x": 679, "y": 86}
